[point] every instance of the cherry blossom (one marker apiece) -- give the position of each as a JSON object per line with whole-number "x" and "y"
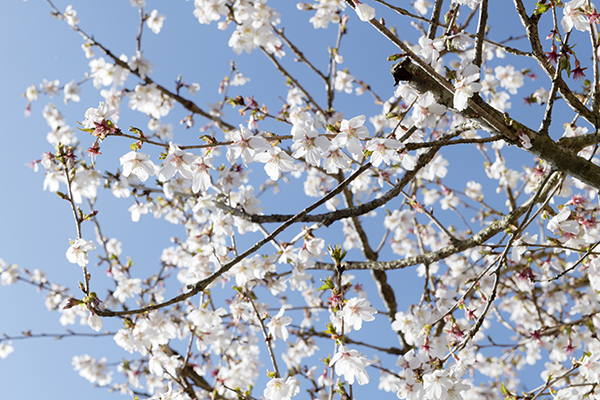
{"x": 155, "y": 21}
{"x": 384, "y": 150}
{"x": 95, "y": 322}
{"x": 193, "y": 323}
{"x": 437, "y": 384}
{"x": 95, "y": 371}
{"x": 140, "y": 64}
{"x": 10, "y": 275}
{"x": 177, "y": 161}
{"x": 276, "y": 161}
{"x": 466, "y": 86}
{"x": 430, "y": 49}
{"x": 562, "y": 223}
{"x": 308, "y": 143}
{"x": 574, "y": 16}
{"x": 351, "y": 364}
{"x": 71, "y": 92}
{"x": 50, "y": 88}
{"x": 277, "y": 325}
{"x": 77, "y": 252}
{"x": 357, "y": 310}
{"x": 276, "y": 389}
{"x": 364, "y": 11}
{"x": 5, "y": 349}
{"x": 421, "y": 6}
{"x": 71, "y": 16}
{"x": 351, "y": 133}
{"x": 32, "y": 93}
{"x": 426, "y": 111}
{"x": 343, "y": 81}
{"x": 97, "y": 115}
{"x": 246, "y": 145}
{"x": 138, "y": 164}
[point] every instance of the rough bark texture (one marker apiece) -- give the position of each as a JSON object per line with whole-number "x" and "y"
{"x": 494, "y": 122}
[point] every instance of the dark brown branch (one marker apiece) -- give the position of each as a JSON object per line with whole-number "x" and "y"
{"x": 495, "y": 123}
{"x": 435, "y": 19}
{"x": 483, "y": 15}
{"x": 291, "y": 78}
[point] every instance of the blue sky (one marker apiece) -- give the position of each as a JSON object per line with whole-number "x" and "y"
{"x": 37, "y": 225}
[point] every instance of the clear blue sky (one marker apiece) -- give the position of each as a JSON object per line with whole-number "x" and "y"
{"x": 37, "y": 225}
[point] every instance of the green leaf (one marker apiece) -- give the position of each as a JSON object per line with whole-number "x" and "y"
{"x": 395, "y": 57}
{"x": 330, "y": 329}
{"x": 505, "y": 392}
{"x": 331, "y": 128}
{"x": 327, "y": 284}
{"x": 541, "y": 8}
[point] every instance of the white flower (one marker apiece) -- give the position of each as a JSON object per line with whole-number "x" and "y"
{"x": 509, "y": 78}
{"x": 357, "y": 310}
{"x": 436, "y": 384}
{"x": 335, "y": 159}
{"x": 177, "y": 161}
{"x": 460, "y": 40}
{"x": 426, "y": 111}
{"x": 351, "y": 133}
{"x": 430, "y": 49}
{"x": 466, "y": 86}
{"x": 6, "y": 349}
{"x": 71, "y": 92}
{"x": 307, "y": 142}
{"x": 10, "y": 275}
{"x": 32, "y": 93}
{"x": 155, "y": 21}
{"x": 421, "y": 6}
{"x": 277, "y": 325}
{"x": 141, "y": 64}
{"x": 276, "y": 389}
{"x": 365, "y": 12}
{"x": 95, "y": 322}
{"x": 343, "y": 81}
{"x": 202, "y": 180}
{"x": 138, "y": 164}
{"x": 473, "y": 190}
{"x": 560, "y": 222}
{"x": 590, "y": 367}
{"x": 276, "y": 161}
{"x": 50, "y": 87}
{"x": 137, "y": 210}
{"x": 239, "y": 80}
{"x": 93, "y": 370}
{"x": 70, "y": 16}
{"x": 127, "y": 288}
{"x": 351, "y": 364}
{"x": 77, "y": 252}
{"x": 385, "y": 150}
{"x": 574, "y": 16}
{"x": 97, "y": 115}
{"x": 245, "y": 144}
{"x": 525, "y": 141}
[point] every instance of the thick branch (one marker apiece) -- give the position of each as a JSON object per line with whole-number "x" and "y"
{"x": 494, "y": 122}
